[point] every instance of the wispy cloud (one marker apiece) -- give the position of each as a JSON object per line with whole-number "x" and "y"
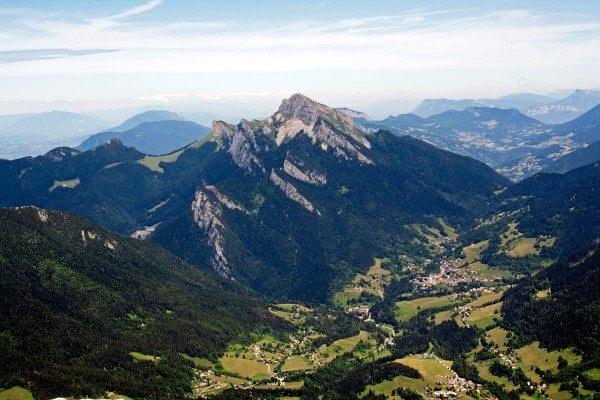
{"x": 467, "y": 46}
{"x": 420, "y": 39}
{"x": 214, "y": 96}
{"x": 136, "y": 10}
{"x": 14, "y": 56}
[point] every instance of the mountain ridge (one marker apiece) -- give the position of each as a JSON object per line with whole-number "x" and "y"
{"x": 151, "y": 137}
{"x": 514, "y": 144}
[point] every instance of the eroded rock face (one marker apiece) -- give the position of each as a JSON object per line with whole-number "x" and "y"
{"x": 292, "y": 166}
{"x": 324, "y": 125}
{"x": 242, "y": 145}
{"x": 329, "y": 130}
{"x": 292, "y": 193}
{"x": 207, "y": 210}
{"x": 326, "y": 133}
{"x": 206, "y": 215}
{"x": 232, "y": 205}
{"x": 327, "y": 127}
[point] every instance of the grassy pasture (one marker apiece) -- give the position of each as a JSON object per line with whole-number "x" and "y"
{"x": 199, "y": 362}
{"x": 16, "y": 393}
{"x": 517, "y": 245}
{"x": 342, "y": 298}
{"x": 484, "y": 316}
{"x": 72, "y": 183}
{"x": 431, "y": 369}
{"x": 153, "y": 162}
{"x": 486, "y": 297}
{"x": 484, "y": 271}
{"x": 498, "y": 336}
{"x": 246, "y": 367}
{"x": 593, "y": 373}
{"x": 473, "y": 251}
{"x": 289, "y": 307}
{"x": 533, "y": 355}
{"x": 386, "y": 387}
{"x": 484, "y": 372}
{"x": 227, "y": 379}
{"x": 443, "y": 316}
{"x": 297, "y": 363}
{"x": 343, "y": 346}
{"x": 143, "y": 357}
{"x": 372, "y": 282}
{"x": 405, "y": 310}
{"x": 472, "y": 260}
{"x": 450, "y": 231}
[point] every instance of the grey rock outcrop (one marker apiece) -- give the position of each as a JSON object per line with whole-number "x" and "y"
{"x": 292, "y": 165}
{"x": 291, "y": 192}
{"x": 206, "y": 215}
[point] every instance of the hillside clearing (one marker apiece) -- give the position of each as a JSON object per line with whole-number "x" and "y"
{"x": 16, "y": 393}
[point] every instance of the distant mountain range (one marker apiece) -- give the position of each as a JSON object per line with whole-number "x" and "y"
{"x": 543, "y": 108}
{"x": 152, "y": 137}
{"x": 566, "y": 109}
{"x": 521, "y": 101}
{"x": 514, "y": 144}
{"x": 60, "y": 124}
{"x": 32, "y": 134}
{"x": 146, "y": 116}
{"x": 152, "y": 132}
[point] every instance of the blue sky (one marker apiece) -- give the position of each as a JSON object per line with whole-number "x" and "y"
{"x": 82, "y": 55}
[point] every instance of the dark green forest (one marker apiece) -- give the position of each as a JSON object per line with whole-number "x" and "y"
{"x": 77, "y": 299}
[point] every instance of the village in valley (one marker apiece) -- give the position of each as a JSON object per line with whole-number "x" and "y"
{"x": 445, "y": 286}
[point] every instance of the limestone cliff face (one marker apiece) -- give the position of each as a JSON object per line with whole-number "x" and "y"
{"x": 242, "y": 145}
{"x": 292, "y": 166}
{"x": 291, "y": 192}
{"x": 249, "y": 144}
{"x": 327, "y": 127}
{"x": 226, "y": 201}
{"x": 206, "y": 215}
{"x": 207, "y": 210}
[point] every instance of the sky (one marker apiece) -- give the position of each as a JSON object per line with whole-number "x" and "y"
{"x": 86, "y": 55}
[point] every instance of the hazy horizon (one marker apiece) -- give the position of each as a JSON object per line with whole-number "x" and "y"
{"x": 87, "y": 56}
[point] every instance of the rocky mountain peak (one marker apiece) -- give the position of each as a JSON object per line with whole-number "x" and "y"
{"x": 308, "y": 111}
{"x": 328, "y": 128}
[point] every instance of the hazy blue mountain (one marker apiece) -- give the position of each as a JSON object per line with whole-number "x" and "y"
{"x": 18, "y": 146}
{"x": 23, "y": 135}
{"x": 519, "y": 101}
{"x": 567, "y": 109}
{"x": 429, "y": 107}
{"x": 385, "y": 108}
{"x": 354, "y": 113}
{"x": 146, "y": 116}
{"x": 159, "y": 137}
{"x": 514, "y": 144}
{"x": 7, "y": 120}
{"x": 54, "y": 124}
